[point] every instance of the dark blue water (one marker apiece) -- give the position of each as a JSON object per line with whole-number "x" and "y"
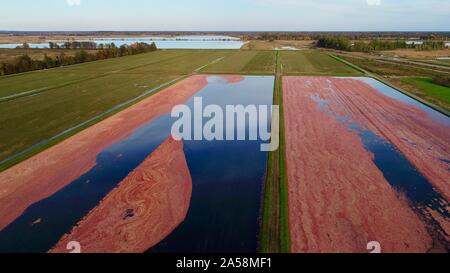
{"x": 227, "y": 178}
{"x": 227, "y": 182}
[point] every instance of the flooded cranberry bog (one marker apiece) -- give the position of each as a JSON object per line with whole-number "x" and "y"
{"x": 365, "y": 163}
{"x": 124, "y": 185}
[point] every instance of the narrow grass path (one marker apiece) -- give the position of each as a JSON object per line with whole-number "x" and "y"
{"x": 285, "y": 242}
{"x": 275, "y": 221}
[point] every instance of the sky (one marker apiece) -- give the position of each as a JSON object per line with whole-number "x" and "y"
{"x": 226, "y": 15}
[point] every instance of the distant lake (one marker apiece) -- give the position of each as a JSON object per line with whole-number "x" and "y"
{"x": 179, "y": 42}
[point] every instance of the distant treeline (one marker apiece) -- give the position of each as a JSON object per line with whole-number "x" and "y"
{"x": 343, "y": 43}
{"x": 354, "y": 35}
{"x": 73, "y": 45}
{"x": 267, "y": 36}
{"x": 25, "y": 63}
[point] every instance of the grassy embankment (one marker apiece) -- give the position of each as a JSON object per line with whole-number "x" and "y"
{"x": 38, "y": 105}
{"x": 285, "y": 244}
{"x": 274, "y": 225}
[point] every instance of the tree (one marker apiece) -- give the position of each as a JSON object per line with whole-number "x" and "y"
{"x": 340, "y": 43}
{"x": 81, "y": 56}
{"x": 23, "y": 63}
{"x": 53, "y": 45}
{"x": 153, "y": 47}
{"x": 48, "y": 62}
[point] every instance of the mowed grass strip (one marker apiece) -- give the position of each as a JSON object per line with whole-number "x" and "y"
{"x": 28, "y": 120}
{"x": 313, "y": 62}
{"x": 275, "y": 235}
{"x": 270, "y": 221}
{"x": 245, "y": 62}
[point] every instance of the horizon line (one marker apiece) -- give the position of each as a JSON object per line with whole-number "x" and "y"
{"x": 292, "y": 31}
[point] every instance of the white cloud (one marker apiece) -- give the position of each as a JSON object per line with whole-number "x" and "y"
{"x": 73, "y": 2}
{"x": 374, "y": 2}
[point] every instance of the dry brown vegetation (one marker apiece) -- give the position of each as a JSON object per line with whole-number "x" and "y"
{"x": 278, "y": 44}
{"x": 418, "y": 54}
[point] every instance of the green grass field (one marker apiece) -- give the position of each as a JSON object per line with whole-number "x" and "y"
{"x": 162, "y": 62}
{"x": 431, "y": 89}
{"x": 313, "y": 62}
{"x": 245, "y": 62}
{"x": 71, "y": 95}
